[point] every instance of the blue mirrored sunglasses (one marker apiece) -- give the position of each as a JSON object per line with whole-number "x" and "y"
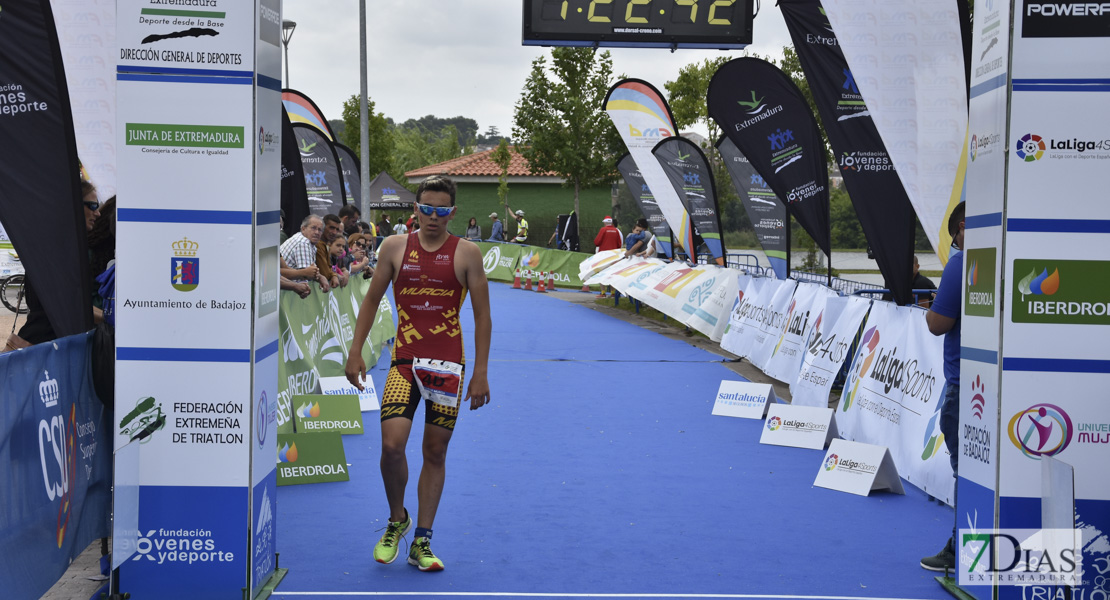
{"x": 440, "y": 211}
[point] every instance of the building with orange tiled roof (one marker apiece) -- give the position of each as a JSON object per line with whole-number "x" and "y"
{"x": 480, "y": 168}
{"x": 541, "y": 196}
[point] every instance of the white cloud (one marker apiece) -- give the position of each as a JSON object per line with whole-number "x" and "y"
{"x": 452, "y": 58}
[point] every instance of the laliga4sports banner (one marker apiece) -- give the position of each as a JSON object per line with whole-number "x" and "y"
{"x": 648, "y": 206}
{"x": 761, "y": 110}
{"x": 826, "y": 349}
{"x": 747, "y": 313}
{"x": 908, "y": 62}
{"x": 687, "y": 168}
{"x": 884, "y": 209}
{"x": 893, "y": 394}
{"x": 765, "y": 210}
{"x": 772, "y": 324}
{"x": 808, "y": 302}
{"x": 322, "y": 178}
{"x": 642, "y": 118}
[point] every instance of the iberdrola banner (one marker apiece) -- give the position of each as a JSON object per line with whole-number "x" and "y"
{"x": 648, "y": 206}
{"x": 642, "y": 118}
{"x": 786, "y": 358}
{"x": 827, "y": 348}
{"x": 560, "y": 264}
{"x": 884, "y": 209}
{"x": 916, "y": 93}
{"x": 688, "y": 169}
{"x": 316, "y": 333}
{"x": 322, "y": 178}
{"x": 765, "y": 210}
{"x": 761, "y": 110}
{"x": 747, "y": 314}
{"x": 893, "y": 394}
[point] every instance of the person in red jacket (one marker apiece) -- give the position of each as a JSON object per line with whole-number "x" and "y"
{"x": 609, "y": 237}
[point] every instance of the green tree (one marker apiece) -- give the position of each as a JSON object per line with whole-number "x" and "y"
{"x": 560, "y": 124}
{"x": 378, "y": 136}
{"x": 502, "y": 157}
{"x": 687, "y": 96}
{"x": 414, "y": 148}
{"x": 466, "y": 129}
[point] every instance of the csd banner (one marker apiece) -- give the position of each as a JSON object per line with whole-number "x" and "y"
{"x": 826, "y": 349}
{"x": 316, "y": 333}
{"x": 55, "y": 463}
{"x": 893, "y": 395}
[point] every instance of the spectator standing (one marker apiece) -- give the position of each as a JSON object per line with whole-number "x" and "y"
{"x": 473, "y": 230}
{"x": 943, "y": 318}
{"x": 333, "y": 228}
{"x": 350, "y": 215}
{"x": 400, "y": 229}
{"x": 608, "y": 237}
{"x": 384, "y": 226}
{"x": 497, "y": 232}
{"x": 521, "y": 228}
{"x": 299, "y": 253}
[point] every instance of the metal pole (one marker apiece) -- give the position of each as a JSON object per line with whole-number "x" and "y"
{"x": 363, "y": 117}
{"x": 286, "y": 64}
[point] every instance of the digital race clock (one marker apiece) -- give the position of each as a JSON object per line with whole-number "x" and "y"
{"x": 723, "y": 24}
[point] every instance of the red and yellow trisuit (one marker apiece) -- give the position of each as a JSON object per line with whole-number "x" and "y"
{"x": 428, "y": 296}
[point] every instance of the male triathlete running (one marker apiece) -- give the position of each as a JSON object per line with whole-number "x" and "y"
{"x": 431, "y": 271}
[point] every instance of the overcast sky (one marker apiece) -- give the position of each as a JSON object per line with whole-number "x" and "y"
{"x": 453, "y": 57}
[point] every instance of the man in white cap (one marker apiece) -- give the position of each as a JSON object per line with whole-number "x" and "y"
{"x": 497, "y": 233}
{"x": 609, "y": 237}
{"x": 521, "y": 228}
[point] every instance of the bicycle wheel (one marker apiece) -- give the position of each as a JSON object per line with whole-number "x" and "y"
{"x": 11, "y": 294}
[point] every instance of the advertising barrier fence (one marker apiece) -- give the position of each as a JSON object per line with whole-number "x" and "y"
{"x": 316, "y": 334}
{"x": 802, "y": 334}
{"x": 55, "y": 463}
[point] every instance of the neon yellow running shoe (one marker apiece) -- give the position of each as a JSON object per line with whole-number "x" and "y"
{"x": 420, "y": 556}
{"x": 386, "y": 549}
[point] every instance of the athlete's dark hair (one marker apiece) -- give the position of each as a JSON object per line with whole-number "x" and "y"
{"x": 436, "y": 183}
{"x": 954, "y": 220}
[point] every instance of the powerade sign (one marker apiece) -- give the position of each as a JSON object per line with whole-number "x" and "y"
{"x": 1062, "y": 291}
{"x": 1065, "y": 18}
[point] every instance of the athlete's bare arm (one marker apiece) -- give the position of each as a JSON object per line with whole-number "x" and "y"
{"x": 389, "y": 257}
{"x": 469, "y": 257}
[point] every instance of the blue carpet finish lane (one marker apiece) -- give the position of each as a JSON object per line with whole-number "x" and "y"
{"x": 586, "y": 476}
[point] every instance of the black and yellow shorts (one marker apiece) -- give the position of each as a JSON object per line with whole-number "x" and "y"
{"x": 401, "y": 397}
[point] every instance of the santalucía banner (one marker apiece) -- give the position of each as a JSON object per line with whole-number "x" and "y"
{"x": 688, "y": 170}
{"x": 884, "y": 209}
{"x": 765, "y": 210}
{"x": 761, "y": 110}
{"x": 642, "y": 118}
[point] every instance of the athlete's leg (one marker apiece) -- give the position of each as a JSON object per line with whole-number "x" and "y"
{"x": 399, "y": 400}
{"x": 395, "y": 465}
{"x": 432, "y": 474}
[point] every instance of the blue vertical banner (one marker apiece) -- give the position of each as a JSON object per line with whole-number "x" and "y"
{"x": 765, "y": 210}
{"x": 199, "y": 92}
{"x": 55, "y": 463}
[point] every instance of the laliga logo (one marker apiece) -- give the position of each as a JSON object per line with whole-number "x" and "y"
{"x": 1030, "y": 147}
{"x": 973, "y": 147}
{"x": 1041, "y": 430}
{"x": 830, "y": 463}
{"x": 870, "y": 341}
{"x": 774, "y": 423}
